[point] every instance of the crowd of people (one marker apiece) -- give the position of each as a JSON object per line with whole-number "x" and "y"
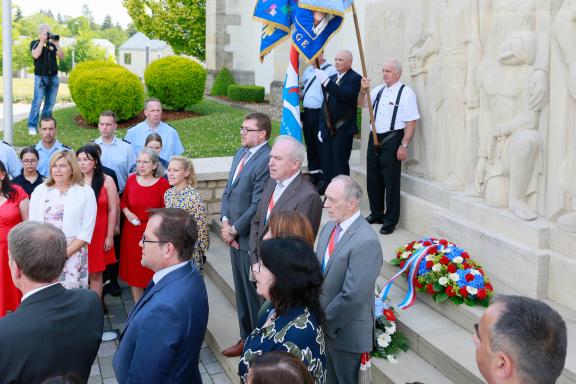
{"x": 304, "y": 292}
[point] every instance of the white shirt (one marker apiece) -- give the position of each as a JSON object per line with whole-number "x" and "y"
{"x": 163, "y": 272}
{"x": 407, "y": 109}
{"x": 279, "y": 190}
{"x": 30, "y": 293}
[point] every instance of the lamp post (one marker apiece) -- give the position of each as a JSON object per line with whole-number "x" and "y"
{"x": 7, "y": 68}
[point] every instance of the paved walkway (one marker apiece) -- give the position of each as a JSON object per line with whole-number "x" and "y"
{"x": 118, "y": 309}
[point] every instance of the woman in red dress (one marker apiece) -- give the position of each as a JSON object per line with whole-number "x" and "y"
{"x": 13, "y": 209}
{"x": 144, "y": 190}
{"x": 101, "y": 248}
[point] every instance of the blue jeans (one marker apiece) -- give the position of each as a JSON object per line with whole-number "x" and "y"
{"x": 44, "y": 87}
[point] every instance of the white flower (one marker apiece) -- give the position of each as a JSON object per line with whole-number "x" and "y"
{"x": 443, "y": 281}
{"x": 454, "y": 277}
{"x": 429, "y": 257}
{"x": 392, "y": 359}
{"x": 474, "y": 271}
{"x": 384, "y": 340}
{"x": 471, "y": 290}
{"x": 391, "y": 329}
{"x": 447, "y": 250}
{"x": 436, "y": 267}
{"x": 417, "y": 246}
{"x": 458, "y": 260}
{"x": 405, "y": 255}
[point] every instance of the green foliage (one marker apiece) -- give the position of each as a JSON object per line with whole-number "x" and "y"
{"x": 87, "y": 66}
{"x": 181, "y": 23}
{"x": 83, "y": 50}
{"x": 223, "y": 79}
{"x": 109, "y": 87}
{"x": 251, "y": 93}
{"x": 21, "y": 57}
{"x": 176, "y": 81}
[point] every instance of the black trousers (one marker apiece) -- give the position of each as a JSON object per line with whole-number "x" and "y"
{"x": 310, "y": 125}
{"x": 383, "y": 177}
{"x": 335, "y": 154}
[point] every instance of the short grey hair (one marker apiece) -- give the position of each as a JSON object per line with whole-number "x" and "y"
{"x": 151, "y": 99}
{"x": 395, "y": 63}
{"x": 533, "y": 334}
{"x": 352, "y": 190}
{"x": 297, "y": 152}
{"x": 38, "y": 249}
{"x": 43, "y": 28}
{"x": 155, "y": 158}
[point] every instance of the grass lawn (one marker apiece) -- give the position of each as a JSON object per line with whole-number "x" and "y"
{"x": 23, "y": 90}
{"x": 215, "y": 133}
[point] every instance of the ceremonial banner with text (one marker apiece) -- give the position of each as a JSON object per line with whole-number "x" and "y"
{"x": 277, "y": 19}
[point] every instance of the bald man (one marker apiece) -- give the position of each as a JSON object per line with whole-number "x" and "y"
{"x": 338, "y": 120}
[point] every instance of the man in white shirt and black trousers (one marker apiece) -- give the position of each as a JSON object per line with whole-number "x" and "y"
{"x": 395, "y": 113}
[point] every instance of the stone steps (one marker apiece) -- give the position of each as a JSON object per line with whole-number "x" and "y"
{"x": 223, "y": 327}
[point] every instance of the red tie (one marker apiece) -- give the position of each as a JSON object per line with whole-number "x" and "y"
{"x": 241, "y": 165}
{"x": 333, "y": 239}
{"x": 270, "y": 206}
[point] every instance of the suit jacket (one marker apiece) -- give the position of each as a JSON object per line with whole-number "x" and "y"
{"x": 163, "y": 334}
{"x": 54, "y": 331}
{"x": 299, "y": 196}
{"x": 342, "y": 102}
{"x": 241, "y": 197}
{"x": 347, "y": 295}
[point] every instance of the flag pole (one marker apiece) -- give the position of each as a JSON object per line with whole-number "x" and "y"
{"x": 365, "y": 74}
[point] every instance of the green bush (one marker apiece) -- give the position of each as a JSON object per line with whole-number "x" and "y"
{"x": 108, "y": 88}
{"x": 252, "y": 93}
{"x": 176, "y": 81}
{"x": 90, "y": 65}
{"x": 223, "y": 79}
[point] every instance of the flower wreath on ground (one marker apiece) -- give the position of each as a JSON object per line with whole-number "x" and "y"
{"x": 440, "y": 268}
{"x": 388, "y": 341}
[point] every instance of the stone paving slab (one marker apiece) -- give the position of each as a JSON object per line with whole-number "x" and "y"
{"x": 118, "y": 310}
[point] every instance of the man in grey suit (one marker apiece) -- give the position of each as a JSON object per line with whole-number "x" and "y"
{"x": 351, "y": 257}
{"x": 287, "y": 190}
{"x": 248, "y": 175}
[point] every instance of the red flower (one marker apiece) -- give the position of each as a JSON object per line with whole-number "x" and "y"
{"x": 469, "y": 277}
{"x": 465, "y": 255}
{"x": 389, "y": 315}
{"x": 481, "y": 294}
{"x": 409, "y": 247}
{"x": 433, "y": 250}
{"x": 402, "y": 263}
{"x": 463, "y": 292}
{"x": 430, "y": 289}
{"x": 398, "y": 254}
{"x": 481, "y": 271}
{"x": 429, "y": 264}
{"x": 444, "y": 260}
{"x": 465, "y": 265}
{"x": 417, "y": 284}
{"x": 450, "y": 291}
{"x": 452, "y": 268}
{"x": 443, "y": 242}
{"x": 427, "y": 243}
{"x": 489, "y": 287}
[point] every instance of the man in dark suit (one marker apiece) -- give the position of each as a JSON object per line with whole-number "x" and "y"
{"x": 248, "y": 175}
{"x": 287, "y": 190}
{"x": 338, "y": 120}
{"x": 351, "y": 257}
{"x": 163, "y": 334}
{"x": 54, "y": 331}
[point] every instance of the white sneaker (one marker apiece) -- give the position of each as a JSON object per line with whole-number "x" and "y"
{"x": 32, "y": 131}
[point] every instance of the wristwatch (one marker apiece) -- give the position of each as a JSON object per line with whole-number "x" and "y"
{"x": 404, "y": 145}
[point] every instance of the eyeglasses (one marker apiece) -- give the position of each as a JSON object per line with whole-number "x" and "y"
{"x": 144, "y": 241}
{"x": 256, "y": 267}
{"x": 245, "y": 130}
{"x": 29, "y": 161}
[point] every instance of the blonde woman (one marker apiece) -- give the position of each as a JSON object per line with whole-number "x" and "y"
{"x": 65, "y": 201}
{"x": 183, "y": 194}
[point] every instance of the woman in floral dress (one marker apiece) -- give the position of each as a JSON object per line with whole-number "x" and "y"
{"x": 183, "y": 194}
{"x": 66, "y": 202}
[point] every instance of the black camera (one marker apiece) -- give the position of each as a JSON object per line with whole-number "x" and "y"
{"x": 53, "y": 37}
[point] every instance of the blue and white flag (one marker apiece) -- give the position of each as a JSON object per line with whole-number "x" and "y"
{"x": 277, "y": 19}
{"x": 290, "y": 124}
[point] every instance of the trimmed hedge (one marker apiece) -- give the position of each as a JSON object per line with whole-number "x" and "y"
{"x": 176, "y": 81}
{"x": 221, "y": 83}
{"x": 251, "y": 93}
{"x": 90, "y": 65}
{"x": 108, "y": 88}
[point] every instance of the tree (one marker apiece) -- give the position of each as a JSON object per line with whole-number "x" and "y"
{"x": 82, "y": 50}
{"x": 107, "y": 23}
{"x": 18, "y": 13}
{"x": 116, "y": 35}
{"x": 181, "y": 23}
{"x": 21, "y": 57}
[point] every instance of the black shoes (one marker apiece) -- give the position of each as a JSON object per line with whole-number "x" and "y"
{"x": 373, "y": 219}
{"x": 387, "y": 229}
{"x": 112, "y": 288}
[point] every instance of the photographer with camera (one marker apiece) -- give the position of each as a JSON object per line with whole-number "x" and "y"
{"x": 44, "y": 51}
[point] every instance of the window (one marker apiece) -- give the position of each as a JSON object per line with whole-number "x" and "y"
{"x": 127, "y": 58}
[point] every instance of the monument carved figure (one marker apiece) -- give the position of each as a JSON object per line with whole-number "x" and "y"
{"x": 507, "y": 174}
{"x": 449, "y": 53}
